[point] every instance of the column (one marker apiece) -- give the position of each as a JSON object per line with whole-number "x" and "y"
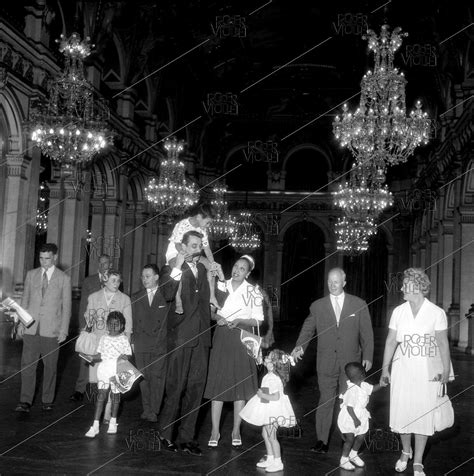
{"x": 19, "y": 220}
{"x": 277, "y": 279}
{"x": 470, "y": 319}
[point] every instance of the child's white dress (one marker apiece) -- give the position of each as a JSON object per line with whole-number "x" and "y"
{"x": 357, "y": 398}
{"x": 110, "y": 348}
{"x": 179, "y": 230}
{"x": 278, "y": 412}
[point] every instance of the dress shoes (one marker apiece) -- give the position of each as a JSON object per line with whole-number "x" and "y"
{"x": 77, "y": 397}
{"x": 190, "y": 448}
{"x": 167, "y": 444}
{"x": 47, "y": 407}
{"x": 23, "y": 407}
{"x": 320, "y": 447}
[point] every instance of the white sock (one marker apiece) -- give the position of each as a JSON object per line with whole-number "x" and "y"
{"x": 95, "y": 425}
{"x": 352, "y": 454}
{"x": 113, "y": 421}
{"x": 344, "y": 459}
{"x": 277, "y": 460}
{"x": 270, "y": 457}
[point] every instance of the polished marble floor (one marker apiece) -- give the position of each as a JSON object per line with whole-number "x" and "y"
{"x": 53, "y": 443}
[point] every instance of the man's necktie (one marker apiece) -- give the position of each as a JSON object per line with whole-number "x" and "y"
{"x": 193, "y": 267}
{"x": 151, "y": 295}
{"x": 44, "y": 284}
{"x": 337, "y": 309}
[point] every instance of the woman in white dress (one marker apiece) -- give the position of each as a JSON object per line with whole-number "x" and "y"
{"x": 418, "y": 349}
{"x": 232, "y": 375}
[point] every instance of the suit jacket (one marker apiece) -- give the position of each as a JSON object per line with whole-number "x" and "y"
{"x": 90, "y": 285}
{"x": 351, "y": 341}
{"x": 150, "y": 321}
{"x": 53, "y": 311}
{"x": 97, "y": 311}
{"x": 193, "y": 326}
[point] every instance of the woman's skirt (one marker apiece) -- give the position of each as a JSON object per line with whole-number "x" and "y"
{"x": 232, "y": 372}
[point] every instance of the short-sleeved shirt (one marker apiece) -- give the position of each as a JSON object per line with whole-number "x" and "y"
{"x": 183, "y": 227}
{"x": 355, "y": 396}
{"x": 111, "y": 347}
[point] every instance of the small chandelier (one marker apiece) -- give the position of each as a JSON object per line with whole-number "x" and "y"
{"x": 42, "y": 210}
{"x": 365, "y": 195}
{"x": 172, "y": 193}
{"x": 379, "y": 129}
{"x": 223, "y": 226}
{"x": 353, "y": 235}
{"x": 245, "y": 239}
{"x": 71, "y": 128}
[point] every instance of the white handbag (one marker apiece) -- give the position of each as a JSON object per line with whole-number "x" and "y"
{"x": 443, "y": 412}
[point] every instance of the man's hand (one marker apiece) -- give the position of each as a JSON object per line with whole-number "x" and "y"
{"x": 180, "y": 259}
{"x": 367, "y": 364}
{"x": 297, "y": 353}
{"x": 221, "y": 321}
{"x": 220, "y": 273}
{"x": 61, "y": 338}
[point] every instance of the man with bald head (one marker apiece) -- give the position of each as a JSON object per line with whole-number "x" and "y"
{"x": 344, "y": 330}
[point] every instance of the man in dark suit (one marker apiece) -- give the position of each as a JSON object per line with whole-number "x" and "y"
{"x": 345, "y": 334}
{"x": 150, "y": 310}
{"x": 47, "y": 297}
{"x": 189, "y": 340}
{"x": 90, "y": 285}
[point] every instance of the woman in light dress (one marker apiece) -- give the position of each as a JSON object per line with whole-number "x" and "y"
{"x": 418, "y": 349}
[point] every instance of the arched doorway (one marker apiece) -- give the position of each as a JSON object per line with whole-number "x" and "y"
{"x": 303, "y": 247}
{"x": 366, "y": 275}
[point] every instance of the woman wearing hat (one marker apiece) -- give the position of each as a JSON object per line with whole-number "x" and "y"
{"x": 232, "y": 375}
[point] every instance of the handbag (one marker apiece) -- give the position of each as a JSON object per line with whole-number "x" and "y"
{"x": 253, "y": 344}
{"x": 443, "y": 412}
{"x": 87, "y": 342}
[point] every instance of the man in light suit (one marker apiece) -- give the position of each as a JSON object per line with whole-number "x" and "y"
{"x": 47, "y": 297}
{"x": 345, "y": 334}
{"x": 90, "y": 285}
{"x": 150, "y": 313}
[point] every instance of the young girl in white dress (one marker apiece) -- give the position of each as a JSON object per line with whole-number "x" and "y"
{"x": 271, "y": 408}
{"x": 112, "y": 347}
{"x": 199, "y": 219}
{"x": 353, "y": 419}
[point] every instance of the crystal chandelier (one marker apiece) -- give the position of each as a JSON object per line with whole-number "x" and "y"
{"x": 42, "y": 210}
{"x": 353, "y": 235}
{"x": 172, "y": 193}
{"x": 223, "y": 225}
{"x": 71, "y": 128}
{"x": 379, "y": 129}
{"x": 245, "y": 239}
{"x": 365, "y": 195}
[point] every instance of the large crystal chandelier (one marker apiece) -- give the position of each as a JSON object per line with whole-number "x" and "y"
{"x": 223, "y": 226}
{"x": 364, "y": 195}
{"x": 42, "y": 210}
{"x": 71, "y": 128}
{"x": 379, "y": 129}
{"x": 172, "y": 194}
{"x": 245, "y": 238}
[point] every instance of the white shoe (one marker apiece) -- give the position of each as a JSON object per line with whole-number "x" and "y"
{"x": 93, "y": 432}
{"x": 274, "y": 467}
{"x": 400, "y": 465}
{"x": 416, "y": 472}
{"x": 346, "y": 464}
{"x": 112, "y": 428}
{"x": 356, "y": 460}
{"x": 265, "y": 462}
